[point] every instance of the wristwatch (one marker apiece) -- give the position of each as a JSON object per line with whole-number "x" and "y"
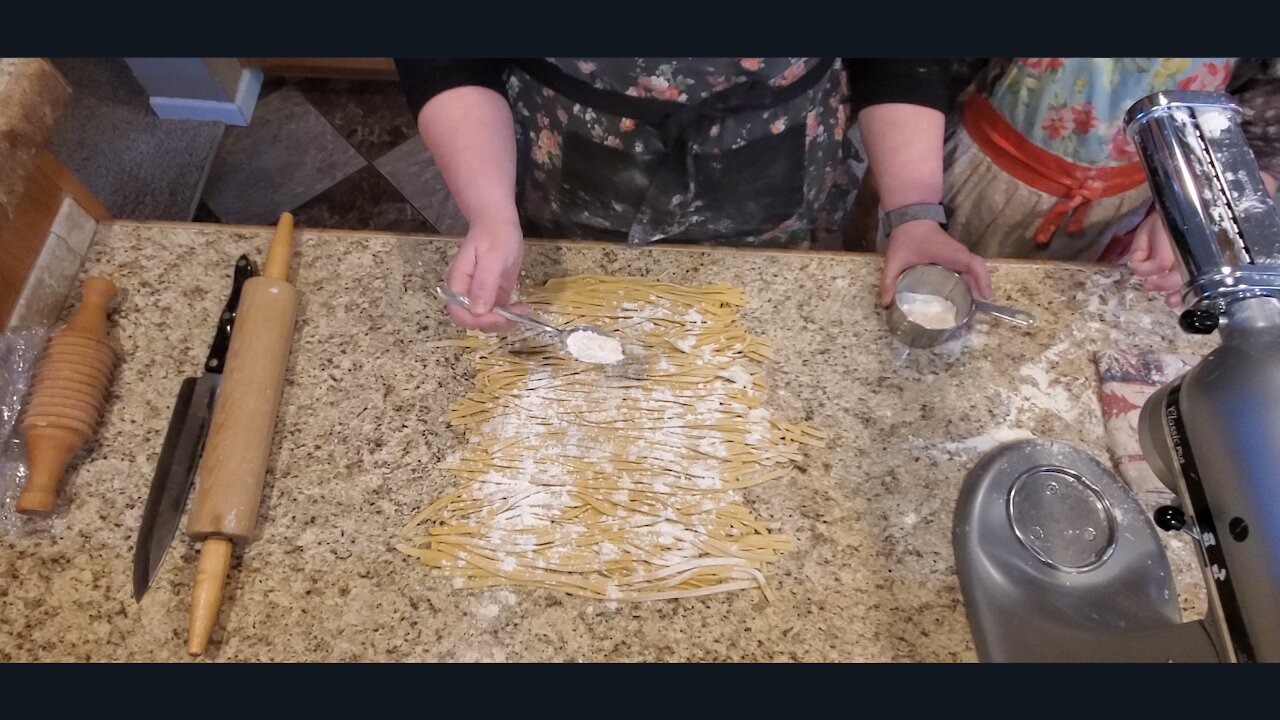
{"x": 916, "y": 211}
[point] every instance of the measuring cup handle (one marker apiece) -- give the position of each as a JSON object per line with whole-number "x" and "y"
{"x": 1008, "y": 314}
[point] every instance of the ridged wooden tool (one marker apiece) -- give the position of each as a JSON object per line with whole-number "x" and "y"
{"x": 238, "y": 446}
{"x": 67, "y": 396}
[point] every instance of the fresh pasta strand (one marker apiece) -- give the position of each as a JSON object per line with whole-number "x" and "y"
{"x": 614, "y": 482}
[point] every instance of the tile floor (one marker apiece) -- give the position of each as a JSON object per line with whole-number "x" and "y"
{"x": 337, "y": 153}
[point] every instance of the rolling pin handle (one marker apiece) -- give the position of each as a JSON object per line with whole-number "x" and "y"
{"x": 206, "y": 594}
{"x": 280, "y": 252}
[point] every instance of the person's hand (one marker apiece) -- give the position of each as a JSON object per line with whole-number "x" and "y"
{"x": 921, "y": 242}
{"x": 1151, "y": 257}
{"x": 485, "y": 270}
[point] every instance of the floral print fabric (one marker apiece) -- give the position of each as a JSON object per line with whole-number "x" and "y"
{"x": 1074, "y": 107}
{"x": 1128, "y": 378}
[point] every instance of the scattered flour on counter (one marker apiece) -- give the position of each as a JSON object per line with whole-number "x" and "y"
{"x": 985, "y": 442}
{"x": 930, "y": 311}
{"x": 594, "y": 348}
{"x": 1107, "y": 314}
{"x": 1050, "y": 392}
{"x": 1108, "y": 310}
{"x": 965, "y": 344}
{"x": 1104, "y": 300}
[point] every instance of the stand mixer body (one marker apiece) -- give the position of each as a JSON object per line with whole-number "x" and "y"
{"x": 1212, "y": 437}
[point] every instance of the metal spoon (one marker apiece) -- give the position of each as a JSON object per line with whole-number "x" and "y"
{"x": 561, "y": 336}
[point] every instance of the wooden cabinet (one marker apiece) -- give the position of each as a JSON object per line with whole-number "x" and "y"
{"x": 362, "y": 68}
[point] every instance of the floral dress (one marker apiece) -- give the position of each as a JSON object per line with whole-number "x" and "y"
{"x": 1074, "y": 108}
{"x": 774, "y": 176}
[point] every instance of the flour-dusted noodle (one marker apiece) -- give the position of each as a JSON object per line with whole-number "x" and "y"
{"x": 618, "y": 482}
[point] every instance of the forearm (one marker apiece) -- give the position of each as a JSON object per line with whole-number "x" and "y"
{"x": 904, "y": 147}
{"x": 471, "y": 135}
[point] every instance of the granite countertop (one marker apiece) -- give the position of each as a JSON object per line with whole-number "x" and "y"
{"x": 871, "y": 577}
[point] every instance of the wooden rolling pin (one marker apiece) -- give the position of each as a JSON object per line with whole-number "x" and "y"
{"x": 238, "y": 445}
{"x": 67, "y": 396}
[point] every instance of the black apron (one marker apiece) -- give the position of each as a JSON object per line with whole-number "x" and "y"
{"x": 740, "y": 151}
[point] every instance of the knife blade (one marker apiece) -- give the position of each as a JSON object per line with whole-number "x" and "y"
{"x": 183, "y": 443}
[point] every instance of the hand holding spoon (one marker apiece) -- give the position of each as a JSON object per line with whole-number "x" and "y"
{"x": 584, "y": 342}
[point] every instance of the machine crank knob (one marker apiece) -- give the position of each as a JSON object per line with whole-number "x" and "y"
{"x": 1199, "y": 321}
{"x": 1170, "y": 518}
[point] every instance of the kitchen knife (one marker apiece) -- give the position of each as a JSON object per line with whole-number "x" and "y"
{"x": 183, "y": 443}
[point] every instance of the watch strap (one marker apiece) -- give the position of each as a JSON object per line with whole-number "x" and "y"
{"x": 915, "y": 211}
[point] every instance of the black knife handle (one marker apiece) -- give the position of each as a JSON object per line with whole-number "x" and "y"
{"x": 245, "y": 269}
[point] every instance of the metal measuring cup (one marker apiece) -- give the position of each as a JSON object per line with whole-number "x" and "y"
{"x": 940, "y": 282}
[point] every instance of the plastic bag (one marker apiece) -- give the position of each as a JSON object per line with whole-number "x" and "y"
{"x": 19, "y": 350}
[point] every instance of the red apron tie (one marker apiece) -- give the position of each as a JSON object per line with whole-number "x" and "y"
{"x": 1077, "y": 186}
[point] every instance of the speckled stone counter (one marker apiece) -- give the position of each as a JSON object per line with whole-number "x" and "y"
{"x": 871, "y": 578}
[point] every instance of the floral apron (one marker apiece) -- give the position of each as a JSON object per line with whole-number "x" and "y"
{"x": 1071, "y": 109}
{"x": 747, "y": 151}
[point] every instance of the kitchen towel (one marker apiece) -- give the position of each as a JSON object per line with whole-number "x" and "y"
{"x": 1128, "y": 378}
